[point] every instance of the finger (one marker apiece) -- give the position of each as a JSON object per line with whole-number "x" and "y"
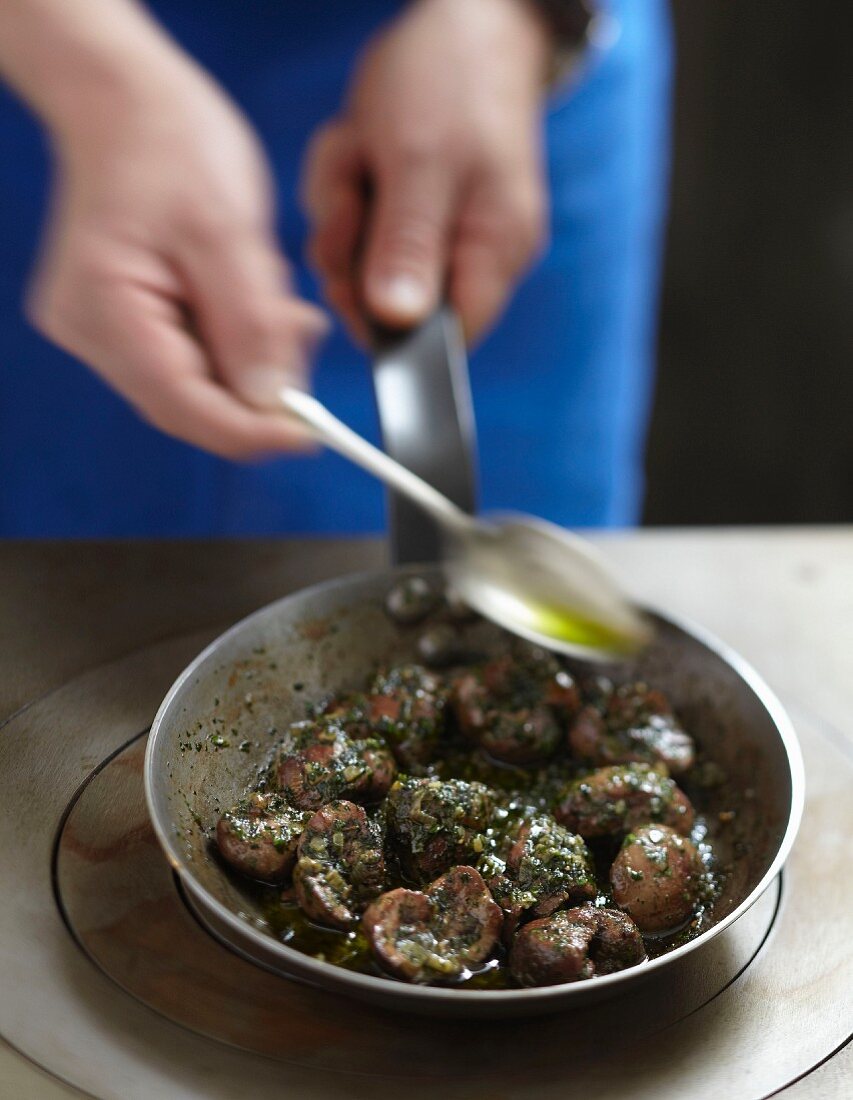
{"x": 500, "y": 231}
{"x": 407, "y": 240}
{"x": 136, "y": 340}
{"x": 333, "y": 193}
{"x": 332, "y": 160}
{"x": 344, "y": 298}
{"x": 202, "y": 412}
{"x": 259, "y": 336}
{"x": 334, "y": 251}
{"x": 478, "y": 289}
{"x": 169, "y": 381}
{"x": 334, "y": 245}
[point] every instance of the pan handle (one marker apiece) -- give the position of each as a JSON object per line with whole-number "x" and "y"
{"x": 423, "y": 393}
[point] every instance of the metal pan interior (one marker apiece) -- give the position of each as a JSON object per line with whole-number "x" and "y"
{"x": 218, "y": 724}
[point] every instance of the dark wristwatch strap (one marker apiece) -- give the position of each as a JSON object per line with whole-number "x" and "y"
{"x": 567, "y": 20}
{"x": 568, "y": 23}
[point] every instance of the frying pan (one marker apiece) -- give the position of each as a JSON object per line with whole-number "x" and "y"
{"x": 218, "y": 725}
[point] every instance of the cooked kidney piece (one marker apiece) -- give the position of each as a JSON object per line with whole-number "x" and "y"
{"x": 407, "y": 707}
{"x": 404, "y": 706}
{"x": 546, "y": 867}
{"x": 613, "y": 800}
{"x": 529, "y": 673}
{"x": 259, "y": 837}
{"x": 575, "y": 944}
{"x": 632, "y": 722}
{"x": 317, "y": 762}
{"x": 495, "y": 845}
{"x": 434, "y": 824}
{"x": 341, "y": 865}
{"x": 657, "y": 878}
{"x": 411, "y": 600}
{"x": 435, "y": 934}
{"x": 515, "y": 708}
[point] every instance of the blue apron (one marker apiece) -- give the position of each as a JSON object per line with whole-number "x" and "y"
{"x": 561, "y": 388}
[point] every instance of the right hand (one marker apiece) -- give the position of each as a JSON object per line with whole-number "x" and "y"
{"x": 442, "y": 129}
{"x": 160, "y": 267}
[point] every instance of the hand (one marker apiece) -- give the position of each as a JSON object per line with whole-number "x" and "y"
{"x": 160, "y": 267}
{"x": 432, "y": 180}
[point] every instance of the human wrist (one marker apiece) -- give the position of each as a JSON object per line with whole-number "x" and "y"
{"x": 82, "y": 107}
{"x": 505, "y": 25}
{"x": 82, "y": 64}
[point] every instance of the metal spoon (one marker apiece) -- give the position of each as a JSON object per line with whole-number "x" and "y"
{"x": 531, "y": 577}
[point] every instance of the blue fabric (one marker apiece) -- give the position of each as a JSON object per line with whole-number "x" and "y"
{"x": 561, "y": 388}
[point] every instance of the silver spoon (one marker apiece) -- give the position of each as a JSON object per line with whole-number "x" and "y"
{"x": 531, "y": 577}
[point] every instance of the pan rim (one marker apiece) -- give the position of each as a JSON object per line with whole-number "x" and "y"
{"x": 323, "y": 972}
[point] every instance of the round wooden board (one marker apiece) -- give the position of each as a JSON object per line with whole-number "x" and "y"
{"x": 780, "y": 1017}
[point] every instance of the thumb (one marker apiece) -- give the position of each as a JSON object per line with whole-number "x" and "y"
{"x": 259, "y": 335}
{"x": 407, "y": 242}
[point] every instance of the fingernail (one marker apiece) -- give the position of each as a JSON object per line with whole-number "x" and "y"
{"x": 403, "y": 296}
{"x": 261, "y": 383}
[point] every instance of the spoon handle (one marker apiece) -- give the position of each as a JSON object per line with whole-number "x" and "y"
{"x": 326, "y": 427}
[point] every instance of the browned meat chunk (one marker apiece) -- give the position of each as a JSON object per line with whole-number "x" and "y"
{"x": 614, "y": 800}
{"x": 631, "y": 723}
{"x": 318, "y": 762}
{"x": 407, "y": 708}
{"x": 515, "y": 708}
{"x": 657, "y": 878}
{"x": 411, "y": 600}
{"x": 436, "y": 934}
{"x": 434, "y": 825}
{"x": 529, "y": 669}
{"x": 341, "y": 865}
{"x": 381, "y": 771}
{"x": 441, "y": 645}
{"x": 520, "y": 737}
{"x": 404, "y": 706}
{"x": 259, "y": 837}
{"x": 546, "y": 868}
{"x": 573, "y": 945}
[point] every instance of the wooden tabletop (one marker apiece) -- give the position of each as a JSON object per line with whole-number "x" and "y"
{"x": 783, "y": 598}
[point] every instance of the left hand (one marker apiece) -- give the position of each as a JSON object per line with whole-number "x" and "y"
{"x": 431, "y": 181}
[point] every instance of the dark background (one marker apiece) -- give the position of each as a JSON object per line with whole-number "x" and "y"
{"x": 754, "y": 413}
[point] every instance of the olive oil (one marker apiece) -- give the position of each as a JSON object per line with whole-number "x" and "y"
{"x": 563, "y": 625}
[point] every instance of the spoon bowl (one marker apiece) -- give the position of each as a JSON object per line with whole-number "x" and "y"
{"x": 543, "y": 583}
{"x": 533, "y": 578}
